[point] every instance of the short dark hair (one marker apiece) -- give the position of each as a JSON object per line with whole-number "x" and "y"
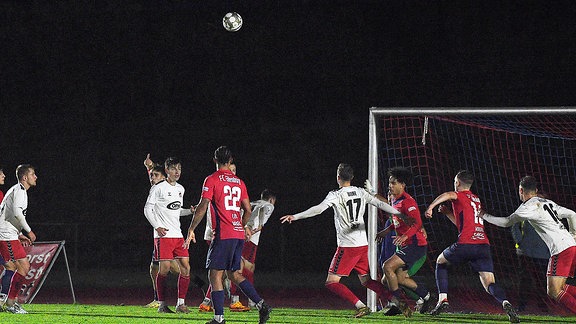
{"x": 529, "y": 184}
{"x": 345, "y": 172}
{"x": 23, "y": 170}
{"x": 267, "y": 194}
{"x": 159, "y": 168}
{"x": 171, "y": 161}
{"x": 402, "y": 174}
{"x": 223, "y": 155}
{"x": 465, "y": 177}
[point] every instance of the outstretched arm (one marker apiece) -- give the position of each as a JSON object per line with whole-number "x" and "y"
{"x": 310, "y": 212}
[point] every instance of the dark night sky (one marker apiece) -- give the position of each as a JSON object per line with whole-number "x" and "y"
{"x": 87, "y": 88}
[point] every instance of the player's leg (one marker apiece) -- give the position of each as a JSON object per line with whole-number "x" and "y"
{"x": 247, "y": 288}
{"x": 206, "y": 305}
{"x": 482, "y": 263}
{"x": 441, "y": 274}
{"x": 235, "y": 304}
{"x": 560, "y": 267}
{"x": 153, "y": 273}
{"x": 164, "y": 252}
{"x": 8, "y": 272}
{"x": 22, "y": 268}
{"x": 15, "y": 251}
{"x": 183, "y": 283}
{"x": 217, "y": 294}
{"x": 414, "y": 257}
{"x": 249, "y": 265}
{"x": 344, "y": 260}
{"x": 161, "y": 285}
{"x": 399, "y": 298}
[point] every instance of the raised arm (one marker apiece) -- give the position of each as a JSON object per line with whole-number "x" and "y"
{"x": 450, "y": 195}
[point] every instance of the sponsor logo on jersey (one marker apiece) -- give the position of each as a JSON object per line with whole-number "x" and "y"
{"x": 411, "y": 208}
{"x": 174, "y": 205}
{"x": 226, "y": 178}
{"x": 204, "y": 188}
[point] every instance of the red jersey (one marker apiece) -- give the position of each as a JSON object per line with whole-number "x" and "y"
{"x": 408, "y": 206}
{"x": 1, "y": 196}
{"x": 225, "y": 192}
{"x": 470, "y": 225}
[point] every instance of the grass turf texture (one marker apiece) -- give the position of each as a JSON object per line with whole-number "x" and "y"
{"x": 67, "y": 313}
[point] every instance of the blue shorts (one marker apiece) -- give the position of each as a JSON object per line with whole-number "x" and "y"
{"x": 225, "y": 254}
{"x": 478, "y": 255}
{"x": 411, "y": 254}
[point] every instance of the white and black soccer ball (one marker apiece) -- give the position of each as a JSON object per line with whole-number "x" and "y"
{"x": 232, "y": 21}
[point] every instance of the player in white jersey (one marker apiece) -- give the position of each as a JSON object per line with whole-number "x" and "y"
{"x": 163, "y": 211}
{"x": 544, "y": 215}
{"x": 349, "y": 205}
{"x": 262, "y": 209}
{"x": 156, "y": 174}
{"x": 12, "y": 223}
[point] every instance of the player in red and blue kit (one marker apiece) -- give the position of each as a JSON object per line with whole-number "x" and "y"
{"x": 410, "y": 241}
{"x": 472, "y": 245}
{"x": 225, "y": 194}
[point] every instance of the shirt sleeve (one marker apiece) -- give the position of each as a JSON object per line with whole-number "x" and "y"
{"x": 518, "y": 216}
{"x": 382, "y": 205}
{"x": 20, "y": 207}
{"x": 149, "y": 207}
{"x": 570, "y": 216}
{"x": 312, "y": 211}
{"x": 414, "y": 213}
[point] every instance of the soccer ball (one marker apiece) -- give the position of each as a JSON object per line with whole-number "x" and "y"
{"x": 232, "y": 21}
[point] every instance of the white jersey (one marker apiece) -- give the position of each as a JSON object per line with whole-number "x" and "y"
{"x": 261, "y": 212}
{"x": 349, "y": 204}
{"x": 544, "y": 215}
{"x": 208, "y": 235}
{"x": 162, "y": 208}
{"x": 13, "y": 213}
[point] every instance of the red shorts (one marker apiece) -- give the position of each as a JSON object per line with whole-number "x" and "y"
{"x": 563, "y": 264}
{"x": 347, "y": 259}
{"x": 169, "y": 248}
{"x": 12, "y": 250}
{"x": 249, "y": 252}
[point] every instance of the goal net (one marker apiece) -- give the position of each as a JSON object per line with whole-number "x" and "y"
{"x": 499, "y": 146}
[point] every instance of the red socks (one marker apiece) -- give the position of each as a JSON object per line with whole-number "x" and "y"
{"x": 342, "y": 291}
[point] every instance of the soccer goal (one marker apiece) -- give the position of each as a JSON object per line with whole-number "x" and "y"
{"x": 499, "y": 145}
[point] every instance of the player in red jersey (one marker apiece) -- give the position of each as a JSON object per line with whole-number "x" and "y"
{"x": 226, "y": 195}
{"x": 410, "y": 241}
{"x": 472, "y": 245}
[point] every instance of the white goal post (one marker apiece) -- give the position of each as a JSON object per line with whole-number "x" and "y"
{"x": 423, "y": 112}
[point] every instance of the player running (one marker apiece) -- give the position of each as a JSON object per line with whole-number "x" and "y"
{"x": 472, "y": 246}
{"x": 544, "y": 215}
{"x": 349, "y": 205}
{"x": 410, "y": 241}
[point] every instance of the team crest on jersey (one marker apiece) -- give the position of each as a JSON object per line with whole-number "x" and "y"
{"x": 174, "y": 205}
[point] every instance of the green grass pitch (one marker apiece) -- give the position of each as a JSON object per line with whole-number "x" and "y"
{"x": 68, "y": 313}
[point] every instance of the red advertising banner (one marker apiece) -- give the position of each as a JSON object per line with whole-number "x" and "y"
{"x": 41, "y": 257}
